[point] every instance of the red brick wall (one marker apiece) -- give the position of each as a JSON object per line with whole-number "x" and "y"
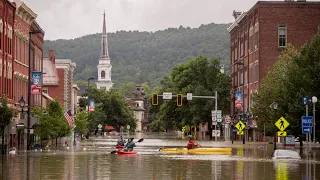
{"x": 57, "y": 92}
{"x": 302, "y": 20}
{"x": 302, "y": 25}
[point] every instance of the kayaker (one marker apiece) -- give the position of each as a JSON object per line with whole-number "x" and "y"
{"x": 191, "y": 144}
{"x": 121, "y": 141}
{"x": 130, "y": 144}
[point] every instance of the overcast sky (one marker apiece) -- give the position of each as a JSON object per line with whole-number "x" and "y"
{"x": 68, "y": 19}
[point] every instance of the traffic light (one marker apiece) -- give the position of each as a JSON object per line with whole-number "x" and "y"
{"x": 179, "y": 99}
{"x": 154, "y": 99}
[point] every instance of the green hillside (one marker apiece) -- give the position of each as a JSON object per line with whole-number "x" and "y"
{"x": 144, "y": 56}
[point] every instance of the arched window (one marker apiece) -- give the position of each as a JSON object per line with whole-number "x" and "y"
{"x": 103, "y": 74}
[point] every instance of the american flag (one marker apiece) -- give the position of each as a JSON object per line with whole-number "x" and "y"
{"x": 68, "y": 117}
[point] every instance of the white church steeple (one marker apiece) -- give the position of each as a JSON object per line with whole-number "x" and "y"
{"x": 104, "y": 66}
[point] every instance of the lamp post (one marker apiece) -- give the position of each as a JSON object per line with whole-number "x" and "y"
{"x": 243, "y": 113}
{"x": 22, "y": 103}
{"x": 36, "y": 31}
{"x": 275, "y": 107}
{"x": 314, "y": 100}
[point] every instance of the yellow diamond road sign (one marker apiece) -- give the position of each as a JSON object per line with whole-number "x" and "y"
{"x": 240, "y": 133}
{"x": 240, "y": 126}
{"x": 282, "y": 124}
{"x": 282, "y": 133}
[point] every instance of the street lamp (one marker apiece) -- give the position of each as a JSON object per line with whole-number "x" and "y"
{"x": 242, "y": 63}
{"x": 314, "y": 100}
{"x": 22, "y": 103}
{"x": 36, "y": 31}
{"x": 275, "y": 107}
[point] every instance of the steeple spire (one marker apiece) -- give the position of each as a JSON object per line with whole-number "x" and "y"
{"x": 104, "y": 53}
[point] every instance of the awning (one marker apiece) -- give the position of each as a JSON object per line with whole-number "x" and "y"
{"x": 109, "y": 127}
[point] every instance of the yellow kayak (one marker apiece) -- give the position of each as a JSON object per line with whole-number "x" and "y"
{"x": 197, "y": 150}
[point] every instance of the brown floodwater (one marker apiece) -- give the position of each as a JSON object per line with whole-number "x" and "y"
{"x": 93, "y": 160}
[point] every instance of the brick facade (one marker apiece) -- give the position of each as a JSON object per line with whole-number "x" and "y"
{"x": 259, "y": 35}
{"x": 7, "y": 11}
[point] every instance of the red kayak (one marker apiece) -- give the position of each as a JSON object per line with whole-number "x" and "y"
{"x": 119, "y": 147}
{"x": 126, "y": 152}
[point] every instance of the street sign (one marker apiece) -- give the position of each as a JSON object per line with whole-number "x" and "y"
{"x": 167, "y": 95}
{"x": 216, "y": 116}
{"x": 306, "y": 130}
{"x": 240, "y": 133}
{"x": 189, "y": 96}
{"x": 219, "y": 116}
{"x": 282, "y": 133}
{"x": 227, "y": 119}
{"x": 99, "y": 126}
{"x": 282, "y": 124}
{"x": 306, "y": 121}
{"x": 128, "y": 127}
{"x": 214, "y": 123}
{"x": 213, "y": 116}
{"x": 306, "y": 100}
{"x": 240, "y": 126}
{"x": 216, "y": 133}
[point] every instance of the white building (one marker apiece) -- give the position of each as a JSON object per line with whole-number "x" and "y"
{"x": 104, "y": 66}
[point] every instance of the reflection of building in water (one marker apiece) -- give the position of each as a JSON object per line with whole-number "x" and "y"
{"x": 216, "y": 169}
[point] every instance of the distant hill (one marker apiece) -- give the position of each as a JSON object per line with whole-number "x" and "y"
{"x": 144, "y": 56}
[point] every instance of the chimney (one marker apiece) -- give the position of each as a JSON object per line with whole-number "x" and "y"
{"x": 52, "y": 57}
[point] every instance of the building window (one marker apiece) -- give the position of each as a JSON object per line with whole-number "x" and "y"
{"x": 250, "y": 73}
{"x": 251, "y": 39}
{"x": 256, "y": 69}
{"x": 282, "y": 33}
{"x": 103, "y": 74}
{"x": 256, "y": 35}
{"x": 45, "y": 91}
{"x": 103, "y": 88}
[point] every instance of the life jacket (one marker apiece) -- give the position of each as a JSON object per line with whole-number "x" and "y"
{"x": 191, "y": 144}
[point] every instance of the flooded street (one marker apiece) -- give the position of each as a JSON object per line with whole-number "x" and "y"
{"x": 93, "y": 160}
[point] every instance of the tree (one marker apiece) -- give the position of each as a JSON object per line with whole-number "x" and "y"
{"x": 111, "y": 109}
{"x": 6, "y": 114}
{"x": 293, "y": 76}
{"x": 52, "y": 121}
{"x": 273, "y": 88}
{"x": 202, "y": 77}
{"x": 144, "y": 56}
{"x": 82, "y": 122}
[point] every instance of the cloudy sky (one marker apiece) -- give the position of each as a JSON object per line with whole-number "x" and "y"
{"x": 68, "y": 19}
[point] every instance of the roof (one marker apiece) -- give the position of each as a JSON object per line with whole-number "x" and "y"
{"x": 50, "y": 75}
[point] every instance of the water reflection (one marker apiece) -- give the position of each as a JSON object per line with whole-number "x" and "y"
{"x": 248, "y": 163}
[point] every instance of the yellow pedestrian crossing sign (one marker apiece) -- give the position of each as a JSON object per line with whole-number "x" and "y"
{"x": 282, "y": 124}
{"x": 282, "y": 133}
{"x": 240, "y": 133}
{"x": 240, "y": 126}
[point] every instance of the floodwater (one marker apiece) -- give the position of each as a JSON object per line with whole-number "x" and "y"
{"x": 93, "y": 160}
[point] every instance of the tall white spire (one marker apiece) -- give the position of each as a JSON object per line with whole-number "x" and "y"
{"x": 104, "y": 66}
{"x": 104, "y": 53}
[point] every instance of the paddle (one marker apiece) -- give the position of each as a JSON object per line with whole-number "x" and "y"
{"x": 140, "y": 140}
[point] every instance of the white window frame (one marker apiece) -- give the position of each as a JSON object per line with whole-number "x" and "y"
{"x": 282, "y": 27}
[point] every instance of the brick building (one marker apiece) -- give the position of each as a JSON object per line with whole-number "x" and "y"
{"x": 58, "y": 82}
{"x": 7, "y": 18}
{"x": 257, "y": 38}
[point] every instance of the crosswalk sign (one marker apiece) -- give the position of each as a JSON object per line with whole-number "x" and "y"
{"x": 282, "y": 124}
{"x": 240, "y": 133}
{"x": 240, "y": 126}
{"x": 282, "y": 133}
